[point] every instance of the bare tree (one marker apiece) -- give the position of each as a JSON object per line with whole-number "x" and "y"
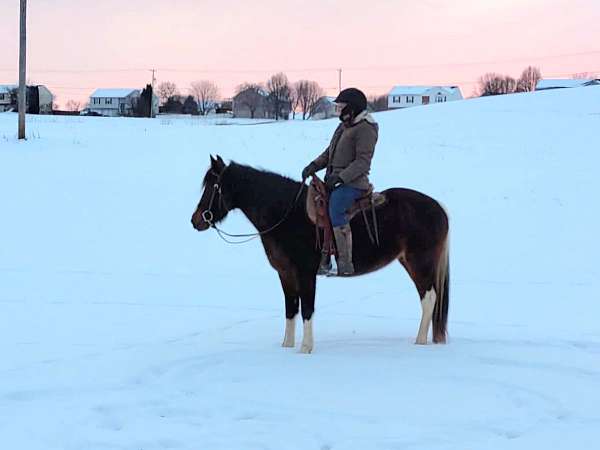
{"x": 496, "y": 84}
{"x": 584, "y": 75}
{"x": 73, "y": 105}
{"x": 294, "y": 99}
{"x": 529, "y": 79}
{"x": 250, "y": 95}
{"x": 378, "y": 103}
{"x": 206, "y": 94}
{"x": 308, "y": 94}
{"x": 165, "y": 90}
{"x": 278, "y": 90}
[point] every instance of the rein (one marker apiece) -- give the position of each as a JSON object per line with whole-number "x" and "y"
{"x": 208, "y": 216}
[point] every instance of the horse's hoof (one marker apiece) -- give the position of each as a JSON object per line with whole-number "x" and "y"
{"x": 421, "y": 342}
{"x": 305, "y": 349}
{"x": 287, "y": 344}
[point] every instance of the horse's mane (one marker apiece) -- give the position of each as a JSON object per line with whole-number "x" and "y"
{"x": 270, "y": 186}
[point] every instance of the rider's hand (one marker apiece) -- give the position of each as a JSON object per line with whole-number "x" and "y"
{"x": 308, "y": 171}
{"x": 333, "y": 181}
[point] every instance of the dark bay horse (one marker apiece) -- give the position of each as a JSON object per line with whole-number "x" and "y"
{"x": 413, "y": 229}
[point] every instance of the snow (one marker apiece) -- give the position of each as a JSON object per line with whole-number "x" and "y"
{"x": 121, "y": 327}
{"x": 419, "y": 90}
{"x": 6, "y": 88}
{"x": 565, "y": 83}
{"x": 112, "y": 93}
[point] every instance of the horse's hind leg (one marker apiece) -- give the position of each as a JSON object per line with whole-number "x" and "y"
{"x": 422, "y": 276}
{"x": 427, "y": 306}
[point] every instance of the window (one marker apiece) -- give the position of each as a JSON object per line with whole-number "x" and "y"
{"x": 410, "y": 99}
{"x": 1, "y": 96}
{"x": 108, "y": 101}
{"x": 439, "y": 98}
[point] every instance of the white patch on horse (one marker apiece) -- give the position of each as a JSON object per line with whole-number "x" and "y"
{"x": 289, "y": 339}
{"x": 427, "y": 305}
{"x": 307, "y": 338}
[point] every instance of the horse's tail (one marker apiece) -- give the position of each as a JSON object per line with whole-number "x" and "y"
{"x": 442, "y": 289}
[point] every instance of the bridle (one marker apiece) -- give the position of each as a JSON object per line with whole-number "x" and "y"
{"x": 208, "y": 216}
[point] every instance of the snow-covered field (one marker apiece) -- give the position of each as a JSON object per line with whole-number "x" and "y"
{"x": 123, "y": 328}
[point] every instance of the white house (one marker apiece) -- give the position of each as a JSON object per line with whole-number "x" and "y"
{"x": 5, "y": 96}
{"x": 39, "y": 99}
{"x": 406, "y": 96}
{"x": 568, "y": 83}
{"x": 45, "y": 99}
{"x": 113, "y": 102}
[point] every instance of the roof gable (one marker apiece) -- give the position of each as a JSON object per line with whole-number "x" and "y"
{"x": 112, "y": 93}
{"x": 420, "y": 90}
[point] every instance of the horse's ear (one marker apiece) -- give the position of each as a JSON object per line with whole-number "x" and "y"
{"x": 218, "y": 164}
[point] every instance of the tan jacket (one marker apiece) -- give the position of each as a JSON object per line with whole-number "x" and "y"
{"x": 350, "y": 152}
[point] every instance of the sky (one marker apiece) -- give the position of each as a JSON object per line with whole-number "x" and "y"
{"x": 75, "y": 47}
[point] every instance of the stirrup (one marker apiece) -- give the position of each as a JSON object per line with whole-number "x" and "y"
{"x": 325, "y": 267}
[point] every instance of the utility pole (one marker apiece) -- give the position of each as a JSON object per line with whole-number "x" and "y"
{"x": 339, "y": 80}
{"x": 152, "y": 96}
{"x": 22, "y": 71}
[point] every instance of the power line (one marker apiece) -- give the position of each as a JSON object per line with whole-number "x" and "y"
{"x": 315, "y": 69}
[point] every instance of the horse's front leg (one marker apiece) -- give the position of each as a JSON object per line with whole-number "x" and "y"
{"x": 307, "y": 296}
{"x": 290, "y": 291}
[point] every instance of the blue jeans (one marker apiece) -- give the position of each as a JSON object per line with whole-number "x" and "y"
{"x": 339, "y": 201}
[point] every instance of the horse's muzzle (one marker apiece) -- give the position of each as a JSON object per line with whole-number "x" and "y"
{"x": 198, "y": 222}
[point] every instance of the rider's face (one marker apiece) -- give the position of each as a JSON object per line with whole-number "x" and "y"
{"x": 339, "y": 107}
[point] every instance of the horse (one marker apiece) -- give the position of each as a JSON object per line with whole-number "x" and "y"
{"x": 413, "y": 229}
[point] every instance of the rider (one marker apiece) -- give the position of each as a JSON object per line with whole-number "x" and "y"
{"x": 348, "y": 161}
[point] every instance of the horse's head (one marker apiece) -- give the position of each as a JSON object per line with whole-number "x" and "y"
{"x": 213, "y": 205}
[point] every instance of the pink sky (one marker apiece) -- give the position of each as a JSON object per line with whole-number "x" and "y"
{"x": 77, "y": 46}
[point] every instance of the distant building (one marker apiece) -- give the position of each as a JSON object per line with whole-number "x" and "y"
{"x": 253, "y": 103}
{"x": 6, "y": 98}
{"x": 224, "y": 107}
{"x": 39, "y": 99}
{"x": 545, "y": 84}
{"x": 407, "y": 96}
{"x": 113, "y": 102}
{"x": 324, "y": 109}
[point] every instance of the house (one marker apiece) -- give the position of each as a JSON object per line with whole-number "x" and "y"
{"x": 251, "y": 103}
{"x": 6, "y": 97}
{"x": 254, "y": 103}
{"x": 545, "y": 84}
{"x": 39, "y": 99}
{"x": 407, "y": 96}
{"x": 324, "y": 108}
{"x": 113, "y": 102}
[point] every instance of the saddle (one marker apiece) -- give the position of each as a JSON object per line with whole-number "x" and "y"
{"x": 317, "y": 209}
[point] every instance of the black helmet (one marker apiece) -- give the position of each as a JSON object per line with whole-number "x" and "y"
{"x": 353, "y": 97}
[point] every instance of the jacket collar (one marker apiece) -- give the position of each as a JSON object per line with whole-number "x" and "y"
{"x": 365, "y": 115}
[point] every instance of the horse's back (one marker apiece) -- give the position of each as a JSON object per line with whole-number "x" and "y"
{"x": 414, "y": 210}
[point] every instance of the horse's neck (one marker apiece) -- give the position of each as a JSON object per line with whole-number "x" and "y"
{"x": 257, "y": 203}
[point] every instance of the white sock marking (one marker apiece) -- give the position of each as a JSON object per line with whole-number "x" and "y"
{"x": 427, "y": 305}
{"x": 307, "y": 337}
{"x": 289, "y": 339}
